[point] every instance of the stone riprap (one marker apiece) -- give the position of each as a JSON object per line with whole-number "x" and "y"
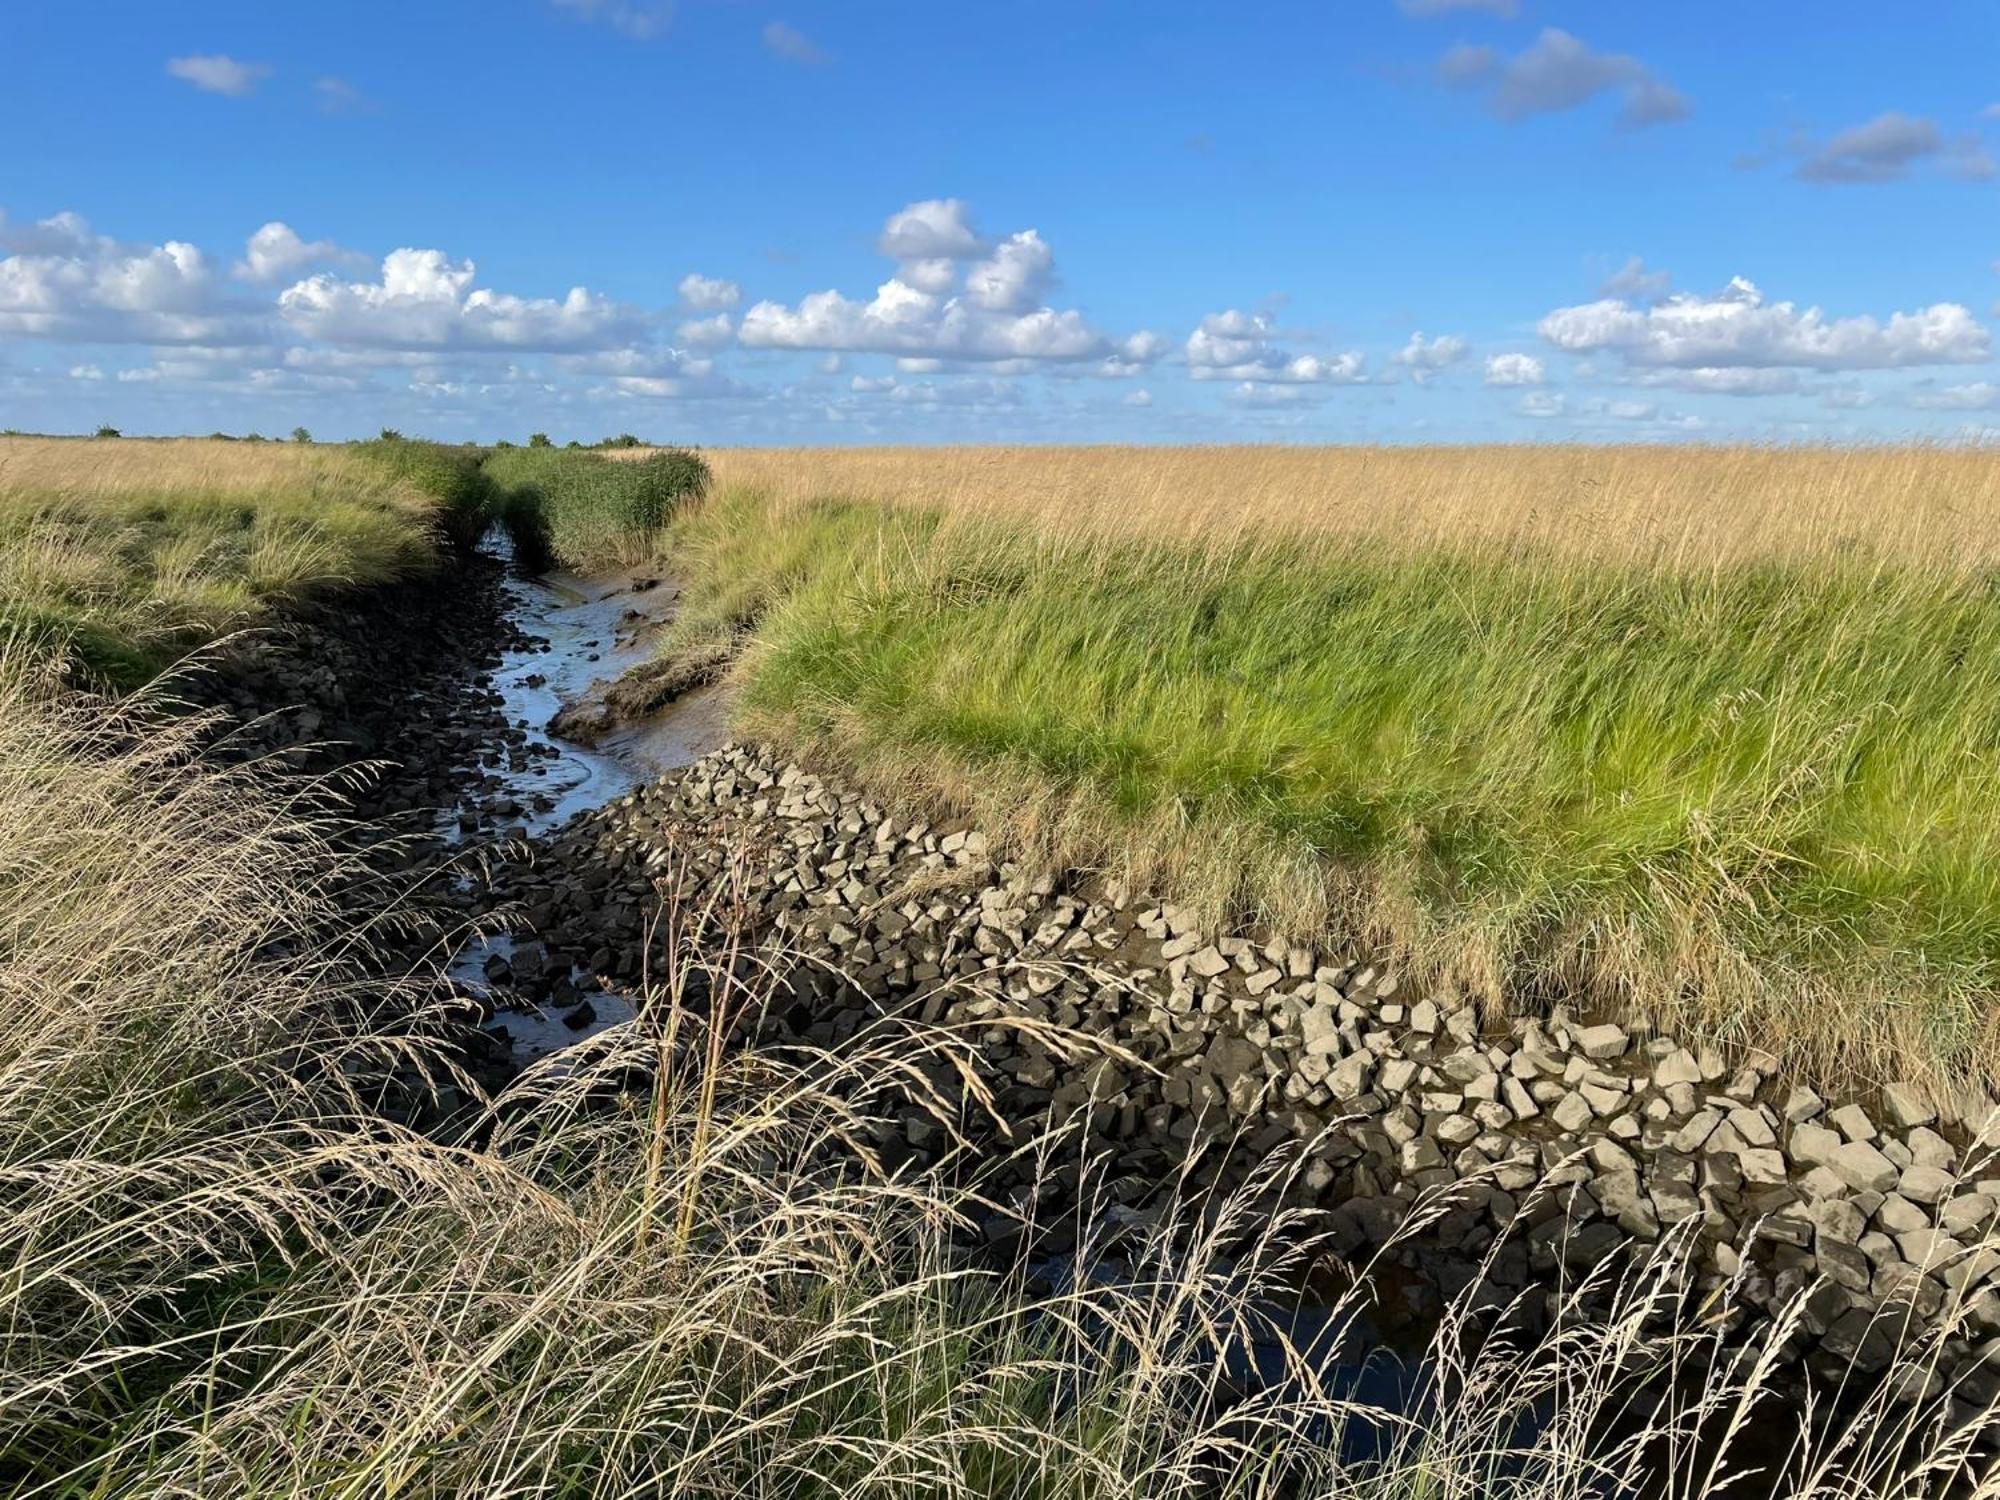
{"x": 1880, "y": 1208}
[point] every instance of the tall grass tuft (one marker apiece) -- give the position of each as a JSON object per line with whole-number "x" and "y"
{"x": 124, "y": 555}
{"x": 453, "y": 477}
{"x": 582, "y": 511}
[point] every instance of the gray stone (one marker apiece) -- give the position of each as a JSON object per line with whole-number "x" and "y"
{"x": 1600, "y": 1043}
{"x": 1922, "y": 1184}
{"x": 1906, "y": 1106}
{"x": 1678, "y": 1066}
{"x": 1349, "y": 1080}
{"x": 1814, "y": 1145}
{"x": 1572, "y": 1114}
{"x": 1208, "y": 963}
{"x": 1860, "y": 1165}
{"x": 1852, "y": 1121}
{"x": 1803, "y": 1104}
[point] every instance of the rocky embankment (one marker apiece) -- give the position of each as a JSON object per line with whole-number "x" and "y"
{"x": 1560, "y": 1143}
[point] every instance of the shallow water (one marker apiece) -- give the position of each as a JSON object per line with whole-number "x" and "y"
{"x": 585, "y": 633}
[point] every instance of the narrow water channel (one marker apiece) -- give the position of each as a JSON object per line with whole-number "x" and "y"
{"x": 575, "y": 635}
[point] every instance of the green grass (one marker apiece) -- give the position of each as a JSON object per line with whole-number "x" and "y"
{"x": 583, "y": 511}
{"x": 125, "y": 555}
{"x": 1753, "y": 800}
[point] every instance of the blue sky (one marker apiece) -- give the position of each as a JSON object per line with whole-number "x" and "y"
{"x": 722, "y": 221}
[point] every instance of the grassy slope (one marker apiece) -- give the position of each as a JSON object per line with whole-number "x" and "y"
{"x": 1752, "y": 794}
{"x": 131, "y": 552}
{"x": 584, "y": 511}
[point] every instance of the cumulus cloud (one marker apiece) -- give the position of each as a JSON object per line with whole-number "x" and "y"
{"x": 793, "y": 45}
{"x": 708, "y": 293}
{"x": 1514, "y": 369}
{"x": 215, "y": 73}
{"x": 1235, "y": 345}
{"x": 1015, "y": 276}
{"x": 276, "y": 252}
{"x": 66, "y": 281}
{"x": 1424, "y": 358}
{"x": 1560, "y": 72}
{"x": 935, "y": 229}
{"x": 1737, "y": 328}
{"x": 921, "y": 313}
{"x": 707, "y": 333}
{"x": 425, "y": 300}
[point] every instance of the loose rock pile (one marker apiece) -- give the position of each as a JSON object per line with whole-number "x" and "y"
{"x": 1883, "y": 1209}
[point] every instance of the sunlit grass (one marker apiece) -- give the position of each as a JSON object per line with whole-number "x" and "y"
{"x": 1713, "y": 735}
{"x": 127, "y": 553}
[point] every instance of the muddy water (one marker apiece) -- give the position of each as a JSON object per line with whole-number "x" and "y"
{"x": 579, "y": 634}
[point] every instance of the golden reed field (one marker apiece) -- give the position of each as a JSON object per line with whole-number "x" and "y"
{"x": 1696, "y": 504}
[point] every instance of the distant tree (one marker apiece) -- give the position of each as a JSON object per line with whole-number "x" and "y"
{"x": 220, "y": 437}
{"x": 503, "y": 443}
{"x": 109, "y": 432}
{"x": 572, "y": 443}
{"x": 390, "y": 435}
{"x": 253, "y": 437}
{"x": 300, "y": 435}
{"x": 623, "y": 440}
{"x": 539, "y": 440}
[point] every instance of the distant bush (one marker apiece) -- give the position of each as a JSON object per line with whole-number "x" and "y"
{"x": 539, "y": 440}
{"x": 109, "y": 432}
{"x": 580, "y": 510}
{"x": 300, "y": 435}
{"x": 454, "y": 477}
{"x": 390, "y": 435}
{"x": 623, "y": 440}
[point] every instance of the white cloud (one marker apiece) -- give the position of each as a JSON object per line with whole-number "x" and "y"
{"x": 1560, "y": 72}
{"x": 937, "y": 228}
{"x": 276, "y": 252}
{"x": 915, "y": 314}
{"x": 1015, "y": 276}
{"x": 214, "y": 73}
{"x": 427, "y": 301}
{"x": 793, "y": 45}
{"x": 1139, "y": 398}
{"x": 1514, "y": 369}
{"x": 1505, "y": 9}
{"x": 708, "y": 293}
{"x": 85, "y": 372}
{"x": 1738, "y": 328}
{"x": 1235, "y": 345}
{"x": 1542, "y": 404}
{"x": 66, "y": 281}
{"x": 1424, "y": 358}
{"x": 1633, "y": 280}
{"x": 1980, "y": 395}
{"x": 639, "y": 19}
{"x": 707, "y": 333}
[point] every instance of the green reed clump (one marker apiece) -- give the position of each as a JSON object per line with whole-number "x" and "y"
{"x": 581, "y": 510}
{"x": 454, "y": 477}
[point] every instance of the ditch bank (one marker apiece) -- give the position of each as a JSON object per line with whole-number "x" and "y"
{"x": 1551, "y": 1145}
